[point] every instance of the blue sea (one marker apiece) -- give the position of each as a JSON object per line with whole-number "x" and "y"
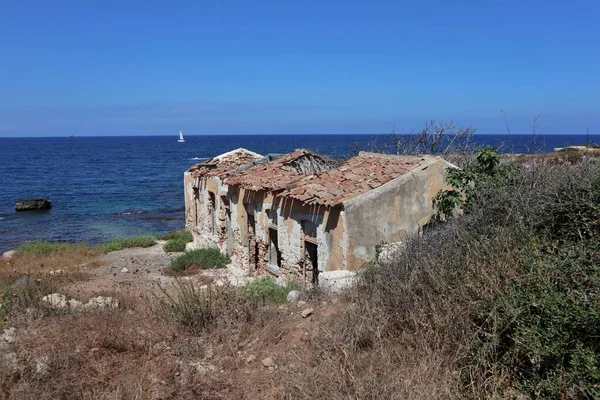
{"x": 107, "y": 187}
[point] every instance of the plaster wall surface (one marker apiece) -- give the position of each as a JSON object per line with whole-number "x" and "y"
{"x": 392, "y": 211}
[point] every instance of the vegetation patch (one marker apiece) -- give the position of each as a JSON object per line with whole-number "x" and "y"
{"x": 268, "y": 291}
{"x": 206, "y": 258}
{"x": 177, "y": 240}
{"x": 124, "y": 243}
{"x": 195, "y": 309}
{"x": 45, "y": 248}
{"x": 22, "y": 294}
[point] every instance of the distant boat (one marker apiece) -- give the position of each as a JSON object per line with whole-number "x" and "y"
{"x": 181, "y": 139}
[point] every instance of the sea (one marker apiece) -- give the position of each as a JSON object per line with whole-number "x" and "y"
{"x": 107, "y": 187}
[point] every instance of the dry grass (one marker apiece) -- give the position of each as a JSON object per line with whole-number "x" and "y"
{"x": 71, "y": 260}
{"x": 136, "y": 352}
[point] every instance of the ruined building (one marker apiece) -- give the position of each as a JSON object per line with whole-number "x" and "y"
{"x": 298, "y": 214}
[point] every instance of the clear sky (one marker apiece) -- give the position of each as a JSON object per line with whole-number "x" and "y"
{"x": 241, "y": 67}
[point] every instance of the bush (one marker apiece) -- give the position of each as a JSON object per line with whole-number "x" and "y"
{"x": 123, "y": 243}
{"x": 22, "y": 294}
{"x": 206, "y": 258}
{"x": 544, "y": 327}
{"x": 177, "y": 240}
{"x": 504, "y": 298}
{"x": 195, "y": 309}
{"x": 176, "y": 234}
{"x": 268, "y": 291}
{"x": 45, "y": 248}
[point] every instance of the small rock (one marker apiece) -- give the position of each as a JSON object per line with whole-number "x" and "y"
{"x": 55, "y": 300}
{"x": 32, "y": 204}
{"x": 8, "y": 255}
{"x": 41, "y": 365}
{"x": 301, "y": 303}
{"x": 250, "y": 358}
{"x": 124, "y": 270}
{"x": 307, "y": 312}
{"x": 269, "y": 363}
{"x": 293, "y": 296}
{"x": 203, "y": 368}
{"x": 75, "y": 304}
{"x": 9, "y": 335}
{"x": 56, "y": 272}
{"x": 102, "y": 302}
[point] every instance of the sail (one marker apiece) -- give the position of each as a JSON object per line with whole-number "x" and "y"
{"x": 180, "y": 135}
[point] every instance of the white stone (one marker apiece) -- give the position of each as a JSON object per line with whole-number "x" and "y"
{"x": 124, "y": 270}
{"x": 102, "y": 302}
{"x": 41, "y": 365}
{"x": 9, "y": 335}
{"x": 268, "y": 362}
{"x": 293, "y": 296}
{"x": 336, "y": 281}
{"x": 250, "y": 358}
{"x": 307, "y": 312}
{"x": 55, "y": 300}
{"x": 8, "y": 255}
{"x": 75, "y": 304}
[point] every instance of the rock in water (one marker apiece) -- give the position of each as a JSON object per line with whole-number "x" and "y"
{"x": 32, "y": 204}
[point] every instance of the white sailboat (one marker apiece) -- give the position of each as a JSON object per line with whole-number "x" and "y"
{"x": 181, "y": 139}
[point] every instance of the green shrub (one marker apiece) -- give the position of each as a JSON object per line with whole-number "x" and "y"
{"x": 123, "y": 243}
{"x": 210, "y": 257}
{"x": 266, "y": 290}
{"x": 45, "y": 248}
{"x": 176, "y": 234}
{"x": 177, "y": 241}
{"x": 545, "y": 326}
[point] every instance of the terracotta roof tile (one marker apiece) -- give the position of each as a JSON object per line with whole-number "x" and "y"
{"x": 356, "y": 176}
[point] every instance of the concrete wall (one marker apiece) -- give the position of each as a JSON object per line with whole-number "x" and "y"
{"x": 392, "y": 211}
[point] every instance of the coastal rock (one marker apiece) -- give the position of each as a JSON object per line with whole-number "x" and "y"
{"x": 8, "y": 255}
{"x": 293, "y": 296}
{"x": 32, "y": 204}
{"x": 102, "y": 302}
{"x": 75, "y": 304}
{"x": 9, "y": 335}
{"x": 55, "y": 300}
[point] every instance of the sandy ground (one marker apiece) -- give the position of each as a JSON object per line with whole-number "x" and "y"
{"x": 138, "y": 271}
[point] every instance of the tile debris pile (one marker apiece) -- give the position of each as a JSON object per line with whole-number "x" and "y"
{"x": 224, "y": 163}
{"x": 274, "y": 176}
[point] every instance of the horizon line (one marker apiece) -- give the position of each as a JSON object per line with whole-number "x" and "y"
{"x": 287, "y": 134}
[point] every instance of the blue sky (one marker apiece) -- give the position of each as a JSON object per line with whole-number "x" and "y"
{"x": 242, "y": 67}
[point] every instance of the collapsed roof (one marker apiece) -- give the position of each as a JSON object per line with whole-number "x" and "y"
{"x": 307, "y": 176}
